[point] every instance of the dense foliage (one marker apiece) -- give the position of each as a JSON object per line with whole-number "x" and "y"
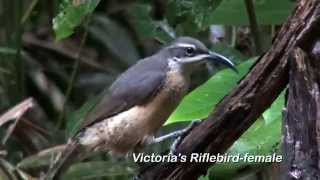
{"x": 64, "y": 54}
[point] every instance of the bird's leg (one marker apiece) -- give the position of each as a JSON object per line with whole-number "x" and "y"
{"x": 177, "y": 135}
{"x": 172, "y": 135}
{"x": 183, "y": 133}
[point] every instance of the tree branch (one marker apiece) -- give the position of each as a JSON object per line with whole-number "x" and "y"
{"x": 251, "y": 97}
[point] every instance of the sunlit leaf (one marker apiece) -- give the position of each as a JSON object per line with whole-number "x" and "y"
{"x": 71, "y": 15}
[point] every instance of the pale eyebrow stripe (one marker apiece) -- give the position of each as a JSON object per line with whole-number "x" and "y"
{"x": 186, "y": 45}
{"x": 182, "y": 45}
{"x": 201, "y": 56}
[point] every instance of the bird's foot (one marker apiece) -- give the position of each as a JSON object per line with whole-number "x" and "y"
{"x": 136, "y": 177}
{"x": 182, "y": 133}
{"x": 177, "y": 135}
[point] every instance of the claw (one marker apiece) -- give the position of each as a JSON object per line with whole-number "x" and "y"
{"x": 182, "y": 134}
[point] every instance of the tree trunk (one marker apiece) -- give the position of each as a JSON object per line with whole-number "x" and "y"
{"x": 301, "y": 127}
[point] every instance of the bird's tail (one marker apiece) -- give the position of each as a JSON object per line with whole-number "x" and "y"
{"x": 63, "y": 161}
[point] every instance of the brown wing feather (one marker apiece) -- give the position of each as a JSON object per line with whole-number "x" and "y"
{"x": 134, "y": 87}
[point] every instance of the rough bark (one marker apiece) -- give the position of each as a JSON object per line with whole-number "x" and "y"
{"x": 301, "y": 127}
{"x": 245, "y": 103}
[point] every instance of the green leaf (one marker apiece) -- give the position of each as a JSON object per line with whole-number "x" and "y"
{"x": 71, "y": 15}
{"x": 7, "y": 50}
{"x": 275, "y": 111}
{"x": 96, "y": 169}
{"x": 262, "y": 138}
{"x": 146, "y": 27}
{"x": 233, "y": 12}
{"x": 191, "y": 17}
{"x": 198, "y": 104}
{"x": 203, "y": 178}
{"x": 191, "y": 12}
{"x": 114, "y": 38}
{"x": 231, "y": 53}
{"x": 74, "y": 119}
{"x": 41, "y": 159}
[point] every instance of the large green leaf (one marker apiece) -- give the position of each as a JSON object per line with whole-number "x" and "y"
{"x": 262, "y": 138}
{"x": 231, "y": 53}
{"x": 233, "y": 12}
{"x": 71, "y": 15}
{"x": 199, "y": 103}
{"x": 275, "y": 111}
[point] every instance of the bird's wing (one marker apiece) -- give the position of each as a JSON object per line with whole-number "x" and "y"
{"x": 133, "y": 88}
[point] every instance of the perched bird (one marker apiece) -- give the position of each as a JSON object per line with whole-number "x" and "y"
{"x": 139, "y": 103}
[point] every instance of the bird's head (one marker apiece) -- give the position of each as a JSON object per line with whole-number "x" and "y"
{"x": 187, "y": 52}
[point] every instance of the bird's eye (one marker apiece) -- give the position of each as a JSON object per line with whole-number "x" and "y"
{"x": 189, "y": 51}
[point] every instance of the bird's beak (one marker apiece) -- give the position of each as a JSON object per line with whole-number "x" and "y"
{"x": 221, "y": 59}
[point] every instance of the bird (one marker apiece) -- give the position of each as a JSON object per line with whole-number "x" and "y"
{"x": 138, "y": 103}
